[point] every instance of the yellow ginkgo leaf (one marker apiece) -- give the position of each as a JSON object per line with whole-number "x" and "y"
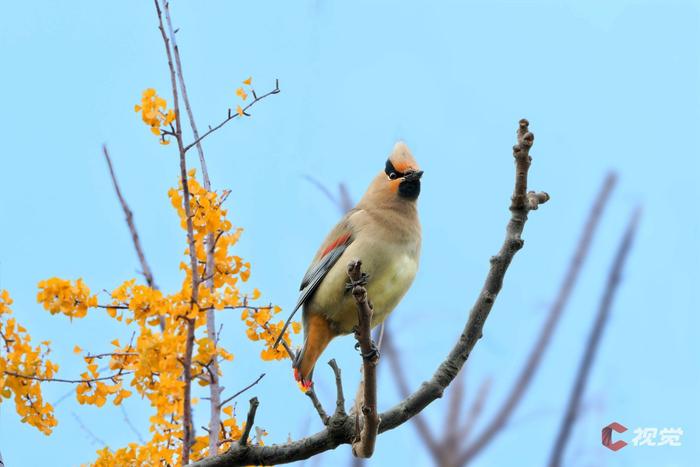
{"x": 77, "y": 350}
{"x": 248, "y": 81}
{"x": 239, "y": 111}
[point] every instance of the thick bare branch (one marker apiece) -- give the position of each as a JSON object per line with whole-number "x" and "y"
{"x": 611, "y": 287}
{"x": 534, "y": 359}
{"x": 342, "y": 430}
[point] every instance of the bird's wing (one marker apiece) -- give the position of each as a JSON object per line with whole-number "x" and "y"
{"x": 332, "y": 248}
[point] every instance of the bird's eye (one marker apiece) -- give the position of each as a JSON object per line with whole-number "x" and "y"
{"x": 393, "y": 175}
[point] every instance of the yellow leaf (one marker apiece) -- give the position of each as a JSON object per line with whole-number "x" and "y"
{"x": 115, "y": 343}
{"x": 228, "y": 410}
{"x": 248, "y": 81}
{"x": 239, "y": 111}
{"x": 77, "y": 350}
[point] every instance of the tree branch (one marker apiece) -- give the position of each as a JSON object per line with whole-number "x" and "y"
{"x": 215, "y": 388}
{"x": 593, "y": 342}
{"x": 70, "y": 381}
{"x": 129, "y": 217}
{"x": 424, "y": 431}
{"x": 229, "y": 399}
{"x": 340, "y": 398}
{"x": 249, "y": 422}
{"x": 188, "y": 429}
{"x": 342, "y": 430}
{"x": 233, "y": 115}
{"x": 363, "y": 445}
{"x": 534, "y": 359}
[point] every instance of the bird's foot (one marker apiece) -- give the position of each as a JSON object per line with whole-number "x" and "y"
{"x": 373, "y": 353}
{"x": 361, "y": 282}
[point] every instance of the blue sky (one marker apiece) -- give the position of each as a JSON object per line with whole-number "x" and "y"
{"x": 605, "y": 84}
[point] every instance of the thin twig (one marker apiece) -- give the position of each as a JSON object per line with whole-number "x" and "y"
{"x": 534, "y": 359}
{"x": 593, "y": 342}
{"x": 475, "y": 410}
{"x": 424, "y": 431}
{"x": 226, "y": 401}
{"x": 233, "y": 115}
{"x": 69, "y": 381}
{"x": 323, "y": 415}
{"x": 112, "y": 354}
{"x": 450, "y": 441}
{"x": 340, "y": 398}
{"x": 131, "y": 425}
{"x": 87, "y": 431}
{"x": 129, "y": 216}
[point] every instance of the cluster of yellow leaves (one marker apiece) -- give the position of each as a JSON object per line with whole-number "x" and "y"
{"x": 259, "y": 327}
{"x": 154, "y": 360}
{"x": 62, "y": 296}
{"x": 154, "y": 113}
{"x": 240, "y": 92}
{"x": 19, "y": 357}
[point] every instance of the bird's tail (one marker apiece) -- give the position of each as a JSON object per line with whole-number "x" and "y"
{"x": 318, "y": 335}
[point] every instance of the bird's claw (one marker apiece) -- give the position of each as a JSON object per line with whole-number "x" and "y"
{"x": 373, "y": 351}
{"x": 361, "y": 282}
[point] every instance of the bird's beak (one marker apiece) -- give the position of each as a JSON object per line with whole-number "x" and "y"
{"x": 411, "y": 176}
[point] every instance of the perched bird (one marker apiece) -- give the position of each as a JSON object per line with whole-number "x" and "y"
{"x": 384, "y": 232}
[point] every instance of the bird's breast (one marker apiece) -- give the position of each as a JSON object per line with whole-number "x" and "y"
{"x": 391, "y": 268}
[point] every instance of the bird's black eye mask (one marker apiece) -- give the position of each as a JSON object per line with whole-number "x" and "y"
{"x": 391, "y": 172}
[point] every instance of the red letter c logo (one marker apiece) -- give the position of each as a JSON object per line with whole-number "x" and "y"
{"x": 607, "y": 436}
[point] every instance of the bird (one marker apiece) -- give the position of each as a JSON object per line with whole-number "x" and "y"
{"x": 384, "y": 232}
